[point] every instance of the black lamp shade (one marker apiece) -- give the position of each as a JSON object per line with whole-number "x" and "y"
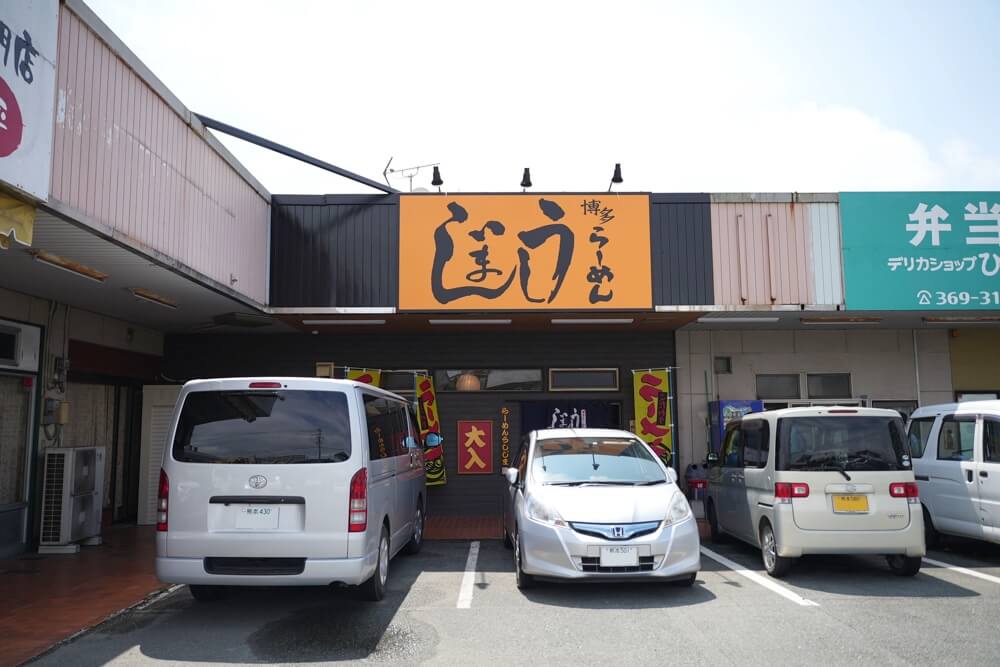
{"x": 437, "y": 180}
{"x": 526, "y": 179}
{"x": 617, "y": 178}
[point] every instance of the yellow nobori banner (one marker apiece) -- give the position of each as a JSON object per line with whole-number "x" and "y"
{"x": 366, "y": 375}
{"x": 524, "y": 252}
{"x": 653, "y": 418}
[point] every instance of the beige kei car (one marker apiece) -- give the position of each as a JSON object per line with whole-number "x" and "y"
{"x": 818, "y": 480}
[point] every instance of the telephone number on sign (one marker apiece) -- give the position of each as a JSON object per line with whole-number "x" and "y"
{"x": 982, "y": 298}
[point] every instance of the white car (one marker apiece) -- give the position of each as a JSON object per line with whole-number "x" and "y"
{"x": 956, "y": 459}
{"x": 287, "y": 482}
{"x": 597, "y": 504}
{"x": 818, "y": 480}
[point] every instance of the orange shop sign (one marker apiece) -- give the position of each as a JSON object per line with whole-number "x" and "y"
{"x": 524, "y": 252}
{"x": 475, "y": 447}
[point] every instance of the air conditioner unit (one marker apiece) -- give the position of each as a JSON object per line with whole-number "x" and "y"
{"x": 72, "y": 498}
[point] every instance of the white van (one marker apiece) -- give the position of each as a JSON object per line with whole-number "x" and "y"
{"x": 287, "y": 482}
{"x": 956, "y": 458}
{"x": 818, "y": 480}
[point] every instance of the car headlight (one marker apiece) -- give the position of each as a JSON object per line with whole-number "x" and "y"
{"x": 542, "y": 513}
{"x": 678, "y": 510}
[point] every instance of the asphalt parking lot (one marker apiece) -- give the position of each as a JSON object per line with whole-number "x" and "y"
{"x": 828, "y": 611}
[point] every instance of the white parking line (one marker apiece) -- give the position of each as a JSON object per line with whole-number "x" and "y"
{"x": 758, "y": 579}
{"x": 963, "y": 570}
{"x": 469, "y": 578}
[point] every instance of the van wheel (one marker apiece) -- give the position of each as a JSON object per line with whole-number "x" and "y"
{"x": 417, "y": 541}
{"x": 713, "y": 523}
{"x": 374, "y": 588}
{"x": 206, "y": 593}
{"x": 776, "y": 566}
{"x": 932, "y": 538}
{"x": 523, "y": 580}
{"x": 904, "y": 566}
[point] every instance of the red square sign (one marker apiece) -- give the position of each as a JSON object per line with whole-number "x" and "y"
{"x": 475, "y": 447}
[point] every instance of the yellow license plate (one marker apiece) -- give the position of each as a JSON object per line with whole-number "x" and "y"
{"x": 850, "y": 504}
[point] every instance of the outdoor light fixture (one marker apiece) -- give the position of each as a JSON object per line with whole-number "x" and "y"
{"x": 57, "y": 262}
{"x": 436, "y": 322}
{"x": 736, "y": 320}
{"x": 436, "y": 180}
{"x": 526, "y": 179}
{"x": 343, "y": 322}
{"x": 152, "y": 297}
{"x": 595, "y": 320}
{"x": 616, "y": 178}
{"x": 840, "y": 320}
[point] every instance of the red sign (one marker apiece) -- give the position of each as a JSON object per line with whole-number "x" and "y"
{"x": 475, "y": 447}
{"x": 11, "y": 125}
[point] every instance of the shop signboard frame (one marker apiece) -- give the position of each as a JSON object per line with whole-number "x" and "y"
{"x": 933, "y": 251}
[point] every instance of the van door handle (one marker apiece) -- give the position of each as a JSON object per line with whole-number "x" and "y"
{"x": 983, "y": 473}
{"x": 968, "y": 475}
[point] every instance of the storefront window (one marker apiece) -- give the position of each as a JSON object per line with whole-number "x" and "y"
{"x": 829, "y": 385}
{"x": 778, "y": 386}
{"x": 489, "y": 379}
{"x": 15, "y": 400}
{"x": 583, "y": 379}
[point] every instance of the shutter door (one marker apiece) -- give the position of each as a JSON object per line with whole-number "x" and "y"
{"x": 157, "y": 411}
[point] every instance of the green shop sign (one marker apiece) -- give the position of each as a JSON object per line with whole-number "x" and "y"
{"x": 921, "y": 250}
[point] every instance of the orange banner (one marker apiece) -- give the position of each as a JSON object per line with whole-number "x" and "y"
{"x": 524, "y": 252}
{"x": 368, "y": 376}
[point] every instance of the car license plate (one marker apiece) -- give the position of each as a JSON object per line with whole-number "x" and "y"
{"x": 257, "y": 517}
{"x": 619, "y": 556}
{"x": 850, "y": 504}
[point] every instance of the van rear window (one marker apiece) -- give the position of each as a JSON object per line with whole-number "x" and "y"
{"x": 842, "y": 443}
{"x": 263, "y": 427}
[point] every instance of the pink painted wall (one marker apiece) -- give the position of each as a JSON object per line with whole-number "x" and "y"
{"x": 125, "y": 158}
{"x": 776, "y": 253}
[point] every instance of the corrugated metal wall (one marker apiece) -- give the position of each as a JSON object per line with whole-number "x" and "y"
{"x": 337, "y": 250}
{"x": 125, "y": 158}
{"x": 681, "y": 231}
{"x": 769, "y": 253}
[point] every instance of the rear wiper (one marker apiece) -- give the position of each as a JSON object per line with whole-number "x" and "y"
{"x": 833, "y": 466}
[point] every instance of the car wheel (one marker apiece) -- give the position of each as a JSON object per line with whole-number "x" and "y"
{"x": 932, "y": 538}
{"x": 686, "y": 582}
{"x": 523, "y": 580}
{"x": 713, "y": 523}
{"x": 904, "y": 566}
{"x": 206, "y": 593}
{"x": 417, "y": 541}
{"x": 776, "y": 566}
{"x": 374, "y": 588}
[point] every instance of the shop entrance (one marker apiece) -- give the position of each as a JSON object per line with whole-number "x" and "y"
{"x": 570, "y": 414}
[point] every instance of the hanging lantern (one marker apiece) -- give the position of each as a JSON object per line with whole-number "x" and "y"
{"x": 468, "y": 382}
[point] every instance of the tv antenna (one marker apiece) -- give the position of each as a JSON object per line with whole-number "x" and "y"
{"x": 405, "y": 172}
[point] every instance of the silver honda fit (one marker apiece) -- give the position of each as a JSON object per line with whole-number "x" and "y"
{"x": 597, "y": 503}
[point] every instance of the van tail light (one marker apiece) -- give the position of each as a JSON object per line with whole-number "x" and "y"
{"x": 265, "y": 385}
{"x": 162, "y": 502}
{"x": 357, "y": 512}
{"x": 906, "y": 490}
{"x": 785, "y": 491}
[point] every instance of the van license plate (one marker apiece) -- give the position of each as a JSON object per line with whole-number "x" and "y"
{"x": 619, "y": 556}
{"x": 257, "y": 517}
{"x": 850, "y": 504}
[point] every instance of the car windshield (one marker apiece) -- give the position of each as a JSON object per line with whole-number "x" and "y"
{"x": 584, "y": 460}
{"x": 263, "y": 427}
{"x": 842, "y": 443}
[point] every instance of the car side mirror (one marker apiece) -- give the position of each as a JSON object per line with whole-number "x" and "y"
{"x": 712, "y": 459}
{"x": 410, "y": 442}
{"x": 433, "y": 440}
{"x": 512, "y": 475}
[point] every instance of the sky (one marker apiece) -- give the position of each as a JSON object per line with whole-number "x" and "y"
{"x": 783, "y": 96}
